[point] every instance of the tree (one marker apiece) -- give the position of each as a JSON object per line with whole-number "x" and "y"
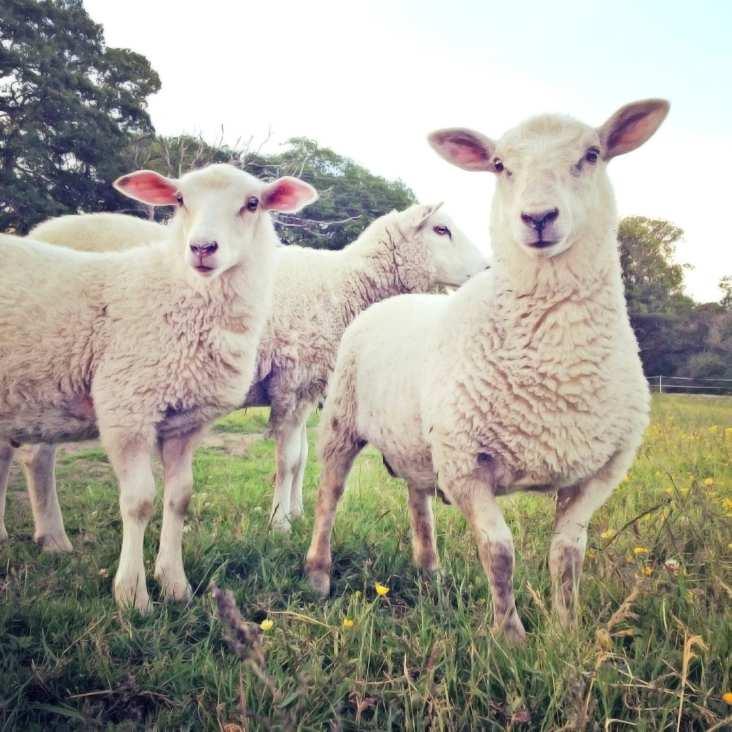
{"x": 725, "y": 284}
{"x": 69, "y": 106}
{"x": 654, "y": 284}
{"x": 350, "y": 195}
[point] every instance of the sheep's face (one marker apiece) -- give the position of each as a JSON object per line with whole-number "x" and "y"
{"x": 451, "y": 257}
{"x": 220, "y": 212}
{"x": 552, "y": 190}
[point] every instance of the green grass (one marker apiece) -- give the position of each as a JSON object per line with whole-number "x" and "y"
{"x": 423, "y": 656}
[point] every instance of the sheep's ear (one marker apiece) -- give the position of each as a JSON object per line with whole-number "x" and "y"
{"x": 148, "y": 187}
{"x": 426, "y": 213}
{"x": 288, "y": 195}
{"x": 631, "y": 126}
{"x": 465, "y": 148}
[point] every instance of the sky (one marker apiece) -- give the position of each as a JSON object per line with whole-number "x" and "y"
{"x": 371, "y": 79}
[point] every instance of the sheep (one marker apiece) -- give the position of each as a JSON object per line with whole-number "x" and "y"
{"x": 528, "y": 377}
{"x": 98, "y": 232}
{"x": 407, "y": 251}
{"x": 143, "y": 347}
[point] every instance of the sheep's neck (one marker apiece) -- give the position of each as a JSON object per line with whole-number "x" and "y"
{"x": 370, "y": 276}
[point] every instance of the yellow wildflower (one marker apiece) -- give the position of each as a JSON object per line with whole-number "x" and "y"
{"x": 714, "y": 429}
{"x": 607, "y": 534}
{"x": 266, "y": 625}
{"x": 727, "y": 504}
{"x": 347, "y": 623}
{"x": 708, "y": 482}
{"x": 381, "y": 590}
{"x": 727, "y": 697}
{"x": 591, "y": 554}
{"x": 647, "y": 571}
{"x": 640, "y": 550}
{"x": 728, "y": 434}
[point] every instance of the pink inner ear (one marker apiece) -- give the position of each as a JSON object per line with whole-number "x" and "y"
{"x": 288, "y": 194}
{"x": 465, "y": 151}
{"x": 148, "y": 187}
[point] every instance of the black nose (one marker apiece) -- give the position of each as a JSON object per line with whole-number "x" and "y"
{"x": 204, "y": 248}
{"x": 539, "y": 219}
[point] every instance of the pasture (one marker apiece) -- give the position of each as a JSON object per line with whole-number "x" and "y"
{"x": 652, "y": 650}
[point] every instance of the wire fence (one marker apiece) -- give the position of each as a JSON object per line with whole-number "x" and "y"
{"x": 689, "y": 385}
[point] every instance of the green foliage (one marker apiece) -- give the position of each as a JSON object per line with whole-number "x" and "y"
{"x": 68, "y": 107}
{"x": 421, "y": 658}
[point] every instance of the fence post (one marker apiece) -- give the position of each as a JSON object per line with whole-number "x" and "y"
{"x": 660, "y": 384}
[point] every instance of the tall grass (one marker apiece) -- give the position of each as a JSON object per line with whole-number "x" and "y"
{"x": 652, "y": 649}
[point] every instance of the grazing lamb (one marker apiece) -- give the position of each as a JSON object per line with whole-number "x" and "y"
{"x": 528, "y": 378}
{"x": 144, "y": 347}
{"x": 316, "y": 295}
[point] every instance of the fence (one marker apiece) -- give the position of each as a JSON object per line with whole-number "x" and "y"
{"x": 689, "y": 385}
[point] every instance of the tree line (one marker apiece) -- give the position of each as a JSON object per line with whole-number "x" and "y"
{"x": 73, "y": 117}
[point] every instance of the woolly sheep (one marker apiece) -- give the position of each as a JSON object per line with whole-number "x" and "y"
{"x": 316, "y": 295}
{"x": 143, "y": 347}
{"x": 528, "y": 378}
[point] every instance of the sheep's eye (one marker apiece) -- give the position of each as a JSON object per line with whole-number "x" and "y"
{"x": 252, "y": 203}
{"x": 179, "y": 199}
{"x": 498, "y": 165}
{"x": 442, "y": 231}
{"x": 592, "y": 155}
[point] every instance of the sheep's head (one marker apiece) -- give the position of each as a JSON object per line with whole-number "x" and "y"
{"x": 448, "y": 257}
{"x": 220, "y": 211}
{"x": 552, "y": 189}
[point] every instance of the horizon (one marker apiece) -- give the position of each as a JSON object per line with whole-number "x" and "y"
{"x": 374, "y": 93}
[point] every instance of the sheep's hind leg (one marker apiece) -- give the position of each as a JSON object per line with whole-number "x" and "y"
{"x": 177, "y": 457}
{"x": 575, "y": 507}
{"x": 296, "y": 505}
{"x": 422, "y": 521}
{"x": 6, "y": 457}
{"x": 495, "y": 547}
{"x": 337, "y": 464}
{"x": 39, "y": 467}
{"x": 130, "y": 459}
{"x": 288, "y": 437}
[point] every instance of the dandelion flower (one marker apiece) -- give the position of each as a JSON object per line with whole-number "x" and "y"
{"x": 647, "y": 571}
{"x": 381, "y": 590}
{"x": 607, "y": 534}
{"x": 266, "y": 625}
{"x": 727, "y": 504}
{"x": 347, "y": 623}
{"x": 640, "y": 550}
{"x": 708, "y": 482}
{"x": 728, "y": 434}
{"x": 714, "y": 429}
{"x": 727, "y": 698}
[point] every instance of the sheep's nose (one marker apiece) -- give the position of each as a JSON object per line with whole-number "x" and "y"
{"x": 539, "y": 219}
{"x": 204, "y": 248}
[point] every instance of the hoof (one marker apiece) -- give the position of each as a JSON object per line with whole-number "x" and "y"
{"x": 54, "y": 544}
{"x": 132, "y": 595}
{"x": 512, "y": 632}
{"x": 174, "y": 586}
{"x": 281, "y": 525}
{"x": 320, "y": 581}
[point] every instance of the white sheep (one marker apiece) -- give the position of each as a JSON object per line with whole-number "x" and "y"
{"x": 316, "y": 295}
{"x": 144, "y": 347}
{"x": 527, "y": 378}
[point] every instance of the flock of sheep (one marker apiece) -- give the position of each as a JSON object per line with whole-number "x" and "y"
{"x": 525, "y": 378}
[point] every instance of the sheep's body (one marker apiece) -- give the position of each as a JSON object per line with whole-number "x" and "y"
{"x": 311, "y": 313}
{"x": 98, "y": 232}
{"x": 317, "y": 293}
{"x": 137, "y": 347}
{"x": 529, "y": 376}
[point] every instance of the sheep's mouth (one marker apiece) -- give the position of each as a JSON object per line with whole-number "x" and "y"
{"x": 204, "y": 270}
{"x": 543, "y": 243}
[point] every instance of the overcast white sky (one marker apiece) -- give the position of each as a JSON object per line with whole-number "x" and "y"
{"x": 371, "y": 79}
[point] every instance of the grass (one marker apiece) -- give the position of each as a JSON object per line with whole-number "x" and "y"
{"x": 652, "y": 651}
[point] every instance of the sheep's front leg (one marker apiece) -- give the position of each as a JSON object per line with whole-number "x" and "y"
{"x": 296, "y": 505}
{"x": 130, "y": 459}
{"x": 177, "y": 456}
{"x": 495, "y": 547}
{"x": 289, "y": 446}
{"x": 6, "y": 457}
{"x": 422, "y": 521}
{"x": 39, "y": 467}
{"x": 575, "y": 507}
